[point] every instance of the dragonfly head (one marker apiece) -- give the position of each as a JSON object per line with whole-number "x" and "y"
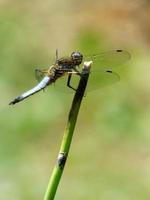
{"x": 77, "y": 57}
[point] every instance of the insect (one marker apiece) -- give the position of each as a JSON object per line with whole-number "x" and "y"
{"x": 69, "y": 67}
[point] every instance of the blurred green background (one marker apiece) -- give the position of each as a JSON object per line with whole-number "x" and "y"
{"x": 110, "y": 152}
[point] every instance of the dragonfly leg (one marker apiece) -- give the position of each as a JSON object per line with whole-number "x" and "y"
{"x": 77, "y": 71}
{"x": 68, "y": 82}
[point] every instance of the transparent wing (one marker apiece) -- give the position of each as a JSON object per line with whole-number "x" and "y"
{"x": 101, "y": 78}
{"x": 97, "y": 79}
{"x": 40, "y": 73}
{"x": 110, "y": 59}
{"x": 101, "y": 71}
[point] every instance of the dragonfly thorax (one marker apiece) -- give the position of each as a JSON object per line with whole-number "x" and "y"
{"x": 77, "y": 58}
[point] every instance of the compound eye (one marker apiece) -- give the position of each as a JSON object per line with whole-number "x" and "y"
{"x": 76, "y": 55}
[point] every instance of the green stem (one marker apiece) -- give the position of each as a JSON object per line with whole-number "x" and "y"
{"x": 67, "y": 138}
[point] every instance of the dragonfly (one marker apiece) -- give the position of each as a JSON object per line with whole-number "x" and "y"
{"x": 67, "y": 69}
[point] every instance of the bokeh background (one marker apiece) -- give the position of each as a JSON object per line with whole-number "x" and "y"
{"x": 110, "y": 153}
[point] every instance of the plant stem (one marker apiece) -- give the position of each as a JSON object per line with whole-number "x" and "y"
{"x": 67, "y": 138}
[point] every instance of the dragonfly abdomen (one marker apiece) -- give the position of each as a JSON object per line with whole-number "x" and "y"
{"x": 45, "y": 82}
